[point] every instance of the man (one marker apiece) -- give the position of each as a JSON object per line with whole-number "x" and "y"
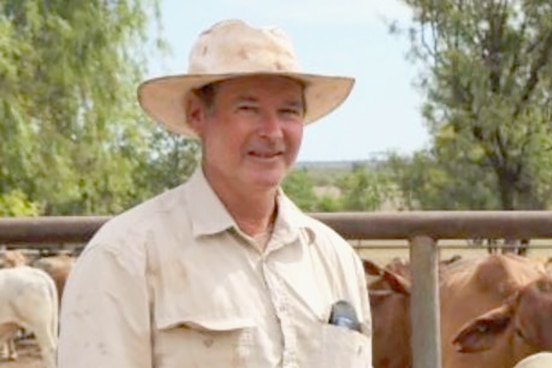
{"x": 224, "y": 271}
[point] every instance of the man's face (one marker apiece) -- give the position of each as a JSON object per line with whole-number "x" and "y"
{"x": 253, "y": 132}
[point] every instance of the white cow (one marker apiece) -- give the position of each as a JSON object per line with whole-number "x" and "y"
{"x": 28, "y": 299}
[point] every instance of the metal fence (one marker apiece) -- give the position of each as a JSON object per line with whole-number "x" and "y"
{"x": 422, "y": 230}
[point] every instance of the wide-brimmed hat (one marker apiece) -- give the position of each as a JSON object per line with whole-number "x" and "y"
{"x": 231, "y": 49}
{"x": 539, "y": 360}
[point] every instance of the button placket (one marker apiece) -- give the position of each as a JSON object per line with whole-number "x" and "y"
{"x": 282, "y": 307}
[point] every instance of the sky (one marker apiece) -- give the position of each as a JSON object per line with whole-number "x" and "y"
{"x": 346, "y": 37}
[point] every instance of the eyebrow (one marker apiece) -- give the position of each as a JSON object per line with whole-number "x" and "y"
{"x": 294, "y": 103}
{"x": 245, "y": 98}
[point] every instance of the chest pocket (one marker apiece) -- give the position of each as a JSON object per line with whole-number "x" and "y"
{"x": 203, "y": 341}
{"x": 344, "y": 348}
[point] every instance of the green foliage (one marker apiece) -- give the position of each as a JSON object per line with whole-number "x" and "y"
{"x": 363, "y": 189}
{"x": 425, "y": 183}
{"x": 73, "y": 137}
{"x": 487, "y": 73}
{"x": 16, "y": 204}
{"x": 298, "y": 186}
{"x": 171, "y": 160}
{"x": 328, "y": 204}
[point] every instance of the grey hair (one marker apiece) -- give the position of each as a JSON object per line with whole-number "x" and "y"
{"x": 207, "y": 94}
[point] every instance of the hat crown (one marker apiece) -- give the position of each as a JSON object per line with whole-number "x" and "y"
{"x": 232, "y": 46}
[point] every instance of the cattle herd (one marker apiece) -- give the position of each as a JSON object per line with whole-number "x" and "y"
{"x": 495, "y": 309}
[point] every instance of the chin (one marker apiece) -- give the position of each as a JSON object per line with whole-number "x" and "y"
{"x": 267, "y": 181}
{"x": 267, "y": 177}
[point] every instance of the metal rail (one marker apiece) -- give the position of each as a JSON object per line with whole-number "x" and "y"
{"x": 396, "y": 225}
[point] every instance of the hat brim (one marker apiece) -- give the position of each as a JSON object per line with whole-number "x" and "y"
{"x": 163, "y": 98}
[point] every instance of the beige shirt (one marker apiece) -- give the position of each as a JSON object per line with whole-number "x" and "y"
{"x": 173, "y": 283}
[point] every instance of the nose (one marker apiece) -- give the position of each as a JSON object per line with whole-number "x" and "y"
{"x": 270, "y": 126}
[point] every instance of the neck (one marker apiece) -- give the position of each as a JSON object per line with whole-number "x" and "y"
{"x": 254, "y": 214}
{"x": 254, "y": 210}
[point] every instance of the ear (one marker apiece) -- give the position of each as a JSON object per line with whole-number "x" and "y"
{"x": 451, "y": 260}
{"x": 482, "y": 332}
{"x": 397, "y": 283}
{"x": 370, "y": 268}
{"x": 195, "y": 113}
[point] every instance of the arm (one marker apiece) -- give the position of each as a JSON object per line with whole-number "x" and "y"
{"x": 105, "y": 318}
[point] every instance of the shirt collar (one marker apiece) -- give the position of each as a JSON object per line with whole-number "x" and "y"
{"x": 291, "y": 222}
{"x": 209, "y": 216}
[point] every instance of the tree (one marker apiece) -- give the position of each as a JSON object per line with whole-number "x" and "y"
{"x": 426, "y": 183}
{"x": 487, "y": 75}
{"x": 298, "y": 185}
{"x": 363, "y": 189}
{"x": 73, "y": 138}
{"x": 169, "y": 160}
{"x": 16, "y": 203}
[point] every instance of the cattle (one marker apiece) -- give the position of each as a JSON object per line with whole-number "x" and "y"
{"x": 487, "y": 305}
{"x": 548, "y": 265}
{"x": 28, "y": 299}
{"x": 485, "y": 318}
{"x": 58, "y": 267}
{"x": 521, "y": 326}
{"x": 389, "y": 303}
{"x": 11, "y": 258}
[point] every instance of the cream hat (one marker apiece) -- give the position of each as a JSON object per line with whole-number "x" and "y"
{"x": 230, "y": 49}
{"x": 539, "y": 360}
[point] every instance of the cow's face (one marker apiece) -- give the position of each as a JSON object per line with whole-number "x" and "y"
{"x": 523, "y": 324}
{"x": 533, "y": 317}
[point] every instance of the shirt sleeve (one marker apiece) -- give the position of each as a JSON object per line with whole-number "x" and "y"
{"x": 105, "y": 318}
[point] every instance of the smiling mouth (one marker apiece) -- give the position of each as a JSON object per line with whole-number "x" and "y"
{"x": 265, "y": 155}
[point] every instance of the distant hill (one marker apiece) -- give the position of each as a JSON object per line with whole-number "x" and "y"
{"x": 336, "y": 165}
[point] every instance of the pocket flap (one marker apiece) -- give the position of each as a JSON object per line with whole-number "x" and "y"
{"x": 206, "y": 323}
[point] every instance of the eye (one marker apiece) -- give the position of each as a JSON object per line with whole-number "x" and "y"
{"x": 291, "y": 113}
{"x": 248, "y": 108}
{"x": 519, "y": 333}
{"x": 482, "y": 328}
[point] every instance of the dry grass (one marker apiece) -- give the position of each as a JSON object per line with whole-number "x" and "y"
{"x": 382, "y": 251}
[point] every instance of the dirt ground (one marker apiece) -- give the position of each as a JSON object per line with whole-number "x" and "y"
{"x": 29, "y": 356}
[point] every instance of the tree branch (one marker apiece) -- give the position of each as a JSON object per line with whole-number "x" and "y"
{"x": 532, "y": 81}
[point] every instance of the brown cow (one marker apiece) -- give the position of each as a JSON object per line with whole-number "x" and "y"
{"x": 390, "y": 305}
{"x": 468, "y": 289}
{"x": 485, "y": 318}
{"x": 59, "y": 267}
{"x": 12, "y": 258}
{"x": 521, "y": 326}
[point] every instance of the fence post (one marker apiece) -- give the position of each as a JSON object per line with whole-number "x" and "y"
{"x": 424, "y": 303}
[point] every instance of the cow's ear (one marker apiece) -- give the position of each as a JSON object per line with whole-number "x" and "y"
{"x": 371, "y": 268}
{"x": 397, "y": 283}
{"x": 481, "y": 333}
